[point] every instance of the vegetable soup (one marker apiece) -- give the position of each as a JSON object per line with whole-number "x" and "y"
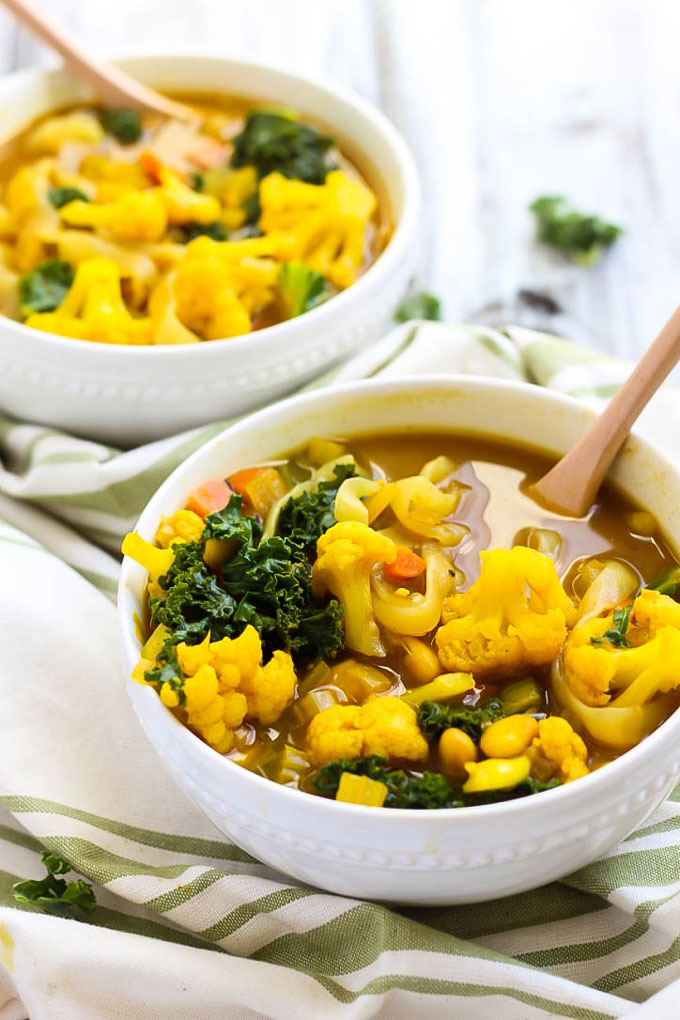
{"x": 124, "y": 228}
{"x": 392, "y": 621}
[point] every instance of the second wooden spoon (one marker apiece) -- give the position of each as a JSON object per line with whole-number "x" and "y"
{"x": 571, "y": 486}
{"x": 112, "y": 86}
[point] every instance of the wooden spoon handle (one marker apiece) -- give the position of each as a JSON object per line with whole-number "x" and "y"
{"x": 112, "y": 87}
{"x": 572, "y": 485}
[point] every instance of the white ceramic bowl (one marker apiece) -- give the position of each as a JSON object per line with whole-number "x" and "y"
{"x": 126, "y": 394}
{"x": 428, "y": 857}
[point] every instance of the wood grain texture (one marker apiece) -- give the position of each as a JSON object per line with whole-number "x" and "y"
{"x": 500, "y": 101}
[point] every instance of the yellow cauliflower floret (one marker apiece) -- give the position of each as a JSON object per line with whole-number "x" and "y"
{"x": 323, "y": 226}
{"x": 270, "y": 689}
{"x": 182, "y": 526}
{"x": 133, "y": 216}
{"x": 94, "y": 309}
{"x": 79, "y": 126}
{"x": 27, "y": 189}
{"x": 557, "y": 752}
{"x": 346, "y": 555}
{"x": 206, "y": 302}
{"x": 162, "y": 307}
{"x": 385, "y": 726}
{"x": 599, "y": 671}
{"x": 219, "y": 285}
{"x": 513, "y": 617}
{"x": 225, "y": 683}
{"x": 182, "y": 203}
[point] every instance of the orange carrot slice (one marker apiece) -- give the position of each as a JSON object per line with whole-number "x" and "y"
{"x": 240, "y": 480}
{"x": 209, "y": 497}
{"x": 152, "y": 165}
{"x": 407, "y": 564}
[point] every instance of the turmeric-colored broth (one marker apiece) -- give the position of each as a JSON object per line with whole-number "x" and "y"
{"x": 161, "y": 228}
{"x": 493, "y": 512}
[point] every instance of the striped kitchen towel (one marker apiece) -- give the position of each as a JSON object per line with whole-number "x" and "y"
{"x": 189, "y": 927}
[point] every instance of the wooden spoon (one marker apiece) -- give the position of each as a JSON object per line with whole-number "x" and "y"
{"x": 113, "y": 87}
{"x": 571, "y": 486}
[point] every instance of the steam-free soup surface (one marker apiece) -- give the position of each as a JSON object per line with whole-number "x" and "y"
{"x": 121, "y": 228}
{"x": 456, "y": 678}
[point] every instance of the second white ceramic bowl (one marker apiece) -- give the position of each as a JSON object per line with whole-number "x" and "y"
{"x": 428, "y": 857}
{"x": 127, "y": 395}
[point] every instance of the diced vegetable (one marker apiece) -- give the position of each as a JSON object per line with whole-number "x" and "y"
{"x": 152, "y": 165}
{"x": 361, "y": 790}
{"x": 443, "y": 688}
{"x": 240, "y": 479}
{"x": 264, "y": 490}
{"x": 525, "y": 695}
{"x": 321, "y": 451}
{"x": 311, "y": 704}
{"x": 209, "y": 497}
{"x": 407, "y": 565}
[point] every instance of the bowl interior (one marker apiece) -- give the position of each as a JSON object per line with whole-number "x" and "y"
{"x": 513, "y": 412}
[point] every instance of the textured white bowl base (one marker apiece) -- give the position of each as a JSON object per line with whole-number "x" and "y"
{"x": 126, "y": 395}
{"x": 425, "y": 857}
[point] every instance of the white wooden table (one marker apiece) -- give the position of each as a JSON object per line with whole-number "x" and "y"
{"x": 500, "y": 100}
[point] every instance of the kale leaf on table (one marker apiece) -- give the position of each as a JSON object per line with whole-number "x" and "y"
{"x": 53, "y": 894}
{"x": 583, "y": 238}
{"x": 419, "y": 306}
{"x": 435, "y": 717}
{"x": 276, "y": 142}
{"x": 45, "y": 287}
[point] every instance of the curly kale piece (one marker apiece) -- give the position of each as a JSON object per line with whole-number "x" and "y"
{"x": 45, "y": 287}
{"x": 55, "y": 895}
{"x": 419, "y": 306}
{"x": 667, "y": 583}
{"x": 215, "y": 231}
{"x": 524, "y": 789}
{"x": 434, "y": 718}
{"x": 303, "y": 520}
{"x": 429, "y": 790}
{"x": 124, "y": 125}
{"x": 266, "y": 584}
{"x": 581, "y": 237}
{"x": 59, "y": 197}
{"x": 276, "y": 142}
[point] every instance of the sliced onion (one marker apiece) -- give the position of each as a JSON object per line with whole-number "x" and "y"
{"x": 615, "y": 583}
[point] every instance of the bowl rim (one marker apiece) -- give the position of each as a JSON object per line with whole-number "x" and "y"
{"x": 564, "y": 795}
{"x": 404, "y": 228}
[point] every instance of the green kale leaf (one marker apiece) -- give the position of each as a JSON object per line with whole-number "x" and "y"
{"x": 667, "y": 583}
{"x": 45, "y": 287}
{"x": 581, "y": 237}
{"x": 274, "y": 142}
{"x": 215, "y": 231}
{"x": 59, "y": 197}
{"x": 300, "y": 288}
{"x": 124, "y": 125}
{"x": 429, "y": 790}
{"x": 54, "y": 895}
{"x": 264, "y": 583}
{"x": 303, "y": 520}
{"x": 434, "y": 718}
{"x": 419, "y": 306}
{"x": 616, "y": 635}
